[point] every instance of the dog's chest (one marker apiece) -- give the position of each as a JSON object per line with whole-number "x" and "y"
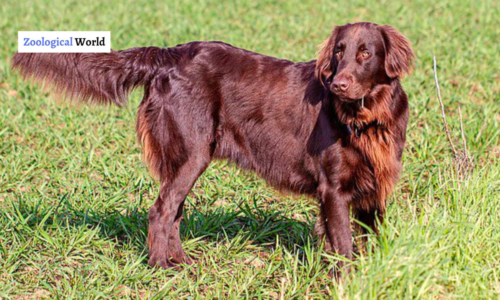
{"x": 373, "y": 166}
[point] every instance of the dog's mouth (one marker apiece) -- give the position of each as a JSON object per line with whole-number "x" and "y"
{"x": 352, "y": 98}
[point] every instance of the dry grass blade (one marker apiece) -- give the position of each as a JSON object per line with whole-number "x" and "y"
{"x": 465, "y": 162}
{"x": 461, "y": 159}
{"x": 445, "y": 124}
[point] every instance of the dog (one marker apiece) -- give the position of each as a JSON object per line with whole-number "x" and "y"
{"x": 332, "y": 128}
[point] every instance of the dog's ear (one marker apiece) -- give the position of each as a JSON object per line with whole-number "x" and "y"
{"x": 398, "y": 53}
{"x": 324, "y": 67}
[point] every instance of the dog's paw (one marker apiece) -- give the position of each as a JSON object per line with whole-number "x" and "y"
{"x": 163, "y": 263}
{"x": 172, "y": 263}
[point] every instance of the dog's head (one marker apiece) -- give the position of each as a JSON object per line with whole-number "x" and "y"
{"x": 359, "y": 56}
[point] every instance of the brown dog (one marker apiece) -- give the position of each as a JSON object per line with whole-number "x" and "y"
{"x": 332, "y": 128}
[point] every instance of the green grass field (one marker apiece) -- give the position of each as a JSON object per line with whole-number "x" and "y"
{"x": 74, "y": 193}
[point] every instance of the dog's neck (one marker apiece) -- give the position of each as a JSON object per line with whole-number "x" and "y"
{"x": 372, "y": 110}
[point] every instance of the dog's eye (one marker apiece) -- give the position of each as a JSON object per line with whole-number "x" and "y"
{"x": 365, "y": 54}
{"x": 339, "y": 53}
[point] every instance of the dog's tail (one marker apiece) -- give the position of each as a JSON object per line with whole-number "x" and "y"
{"x": 94, "y": 77}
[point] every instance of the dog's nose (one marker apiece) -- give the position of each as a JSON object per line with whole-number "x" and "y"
{"x": 341, "y": 83}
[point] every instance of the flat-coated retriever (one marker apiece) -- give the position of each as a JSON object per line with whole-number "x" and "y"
{"x": 333, "y": 128}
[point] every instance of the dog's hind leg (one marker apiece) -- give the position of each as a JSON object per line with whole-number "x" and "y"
{"x": 177, "y": 137}
{"x": 165, "y": 216}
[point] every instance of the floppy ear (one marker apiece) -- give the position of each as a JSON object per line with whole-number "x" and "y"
{"x": 324, "y": 67}
{"x": 399, "y": 53}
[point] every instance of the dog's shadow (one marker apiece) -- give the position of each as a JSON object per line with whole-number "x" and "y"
{"x": 254, "y": 224}
{"x": 247, "y": 224}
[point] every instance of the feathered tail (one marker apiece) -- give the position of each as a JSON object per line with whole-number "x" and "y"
{"x": 98, "y": 77}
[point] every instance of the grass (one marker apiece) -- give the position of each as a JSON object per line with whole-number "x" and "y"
{"x": 74, "y": 193}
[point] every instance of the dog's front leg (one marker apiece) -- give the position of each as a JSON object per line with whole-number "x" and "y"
{"x": 335, "y": 210}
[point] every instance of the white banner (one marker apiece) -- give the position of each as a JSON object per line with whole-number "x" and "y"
{"x": 64, "y": 41}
